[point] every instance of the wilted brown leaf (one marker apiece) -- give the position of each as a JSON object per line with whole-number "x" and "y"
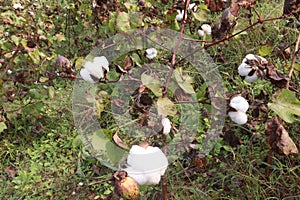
{"x": 214, "y": 5}
{"x": 11, "y": 172}
{"x": 278, "y": 78}
{"x": 62, "y": 61}
{"x": 228, "y": 22}
{"x": 291, "y": 6}
{"x": 246, "y": 3}
{"x": 278, "y": 138}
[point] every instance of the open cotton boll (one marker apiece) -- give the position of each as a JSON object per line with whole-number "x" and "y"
{"x": 84, "y": 73}
{"x": 179, "y": 16}
{"x": 244, "y": 69}
{"x": 239, "y": 103}
{"x": 17, "y": 6}
{"x": 201, "y": 33}
{"x": 149, "y": 159}
{"x": 146, "y": 165}
{"x": 166, "y": 125}
{"x": 249, "y": 57}
{"x": 254, "y": 57}
{"x": 151, "y": 53}
{"x": 206, "y": 28}
{"x": 102, "y": 62}
{"x": 252, "y": 78}
{"x": 238, "y": 117}
{"x": 94, "y": 69}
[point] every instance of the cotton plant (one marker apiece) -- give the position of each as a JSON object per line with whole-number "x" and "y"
{"x": 146, "y": 165}
{"x": 93, "y": 71}
{"x": 151, "y": 53}
{"x": 238, "y": 108}
{"x": 250, "y": 68}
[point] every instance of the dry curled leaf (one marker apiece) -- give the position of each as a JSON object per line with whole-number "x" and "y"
{"x": 246, "y": 3}
{"x": 63, "y": 62}
{"x": 119, "y": 142}
{"x": 11, "y": 172}
{"x": 291, "y": 6}
{"x": 214, "y": 5}
{"x": 278, "y": 78}
{"x": 278, "y": 138}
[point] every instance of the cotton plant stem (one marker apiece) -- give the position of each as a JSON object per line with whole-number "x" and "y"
{"x": 296, "y": 51}
{"x": 173, "y": 61}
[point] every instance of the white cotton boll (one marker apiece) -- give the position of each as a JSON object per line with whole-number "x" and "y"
{"x": 180, "y": 14}
{"x": 84, "y": 73}
{"x": 238, "y": 117}
{"x": 146, "y": 165}
{"x": 17, "y": 6}
{"x": 137, "y": 175}
{"x": 251, "y": 79}
{"x": 191, "y": 6}
{"x": 206, "y": 28}
{"x": 166, "y": 125}
{"x": 239, "y": 103}
{"x": 102, "y": 62}
{"x": 249, "y": 57}
{"x": 244, "y": 69}
{"x": 201, "y": 33}
{"x": 151, "y": 53}
{"x": 143, "y": 178}
{"x": 9, "y": 71}
{"x": 149, "y": 159}
{"x": 94, "y": 69}
{"x": 94, "y": 4}
{"x": 153, "y": 178}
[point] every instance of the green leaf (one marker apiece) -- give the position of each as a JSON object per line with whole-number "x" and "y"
{"x": 99, "y": 141}
{"x": 152, "y": 84}
{"x": 184, "y": 82}
{"x": 51, "y": 92}
{"x": 15, "y": 39}
{"x": 286, "y": 105}
{"x": 123, "y": 22}
{"x": 201, "y": 13}
{"x": 131, "y": 7}
{"x": 166, "y": 107}
{"x": 136, "y": 20}
{"x": 2, "y": 127}
{"x": 265, "y": 50}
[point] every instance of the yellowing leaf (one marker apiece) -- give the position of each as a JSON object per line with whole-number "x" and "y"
{"x": 265, "y": 50}
{"x": 165, "y": 107}
{"x": 152, "y": 83}
{"x": 184, "y": 82}
{"x": 123, "y": 22}
{"x": 286, "y": 105}
{"x": 2, "y": 127}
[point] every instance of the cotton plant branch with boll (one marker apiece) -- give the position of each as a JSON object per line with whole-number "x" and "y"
{"x": 250, "y": 68}
{"x": 204, "y": 30}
